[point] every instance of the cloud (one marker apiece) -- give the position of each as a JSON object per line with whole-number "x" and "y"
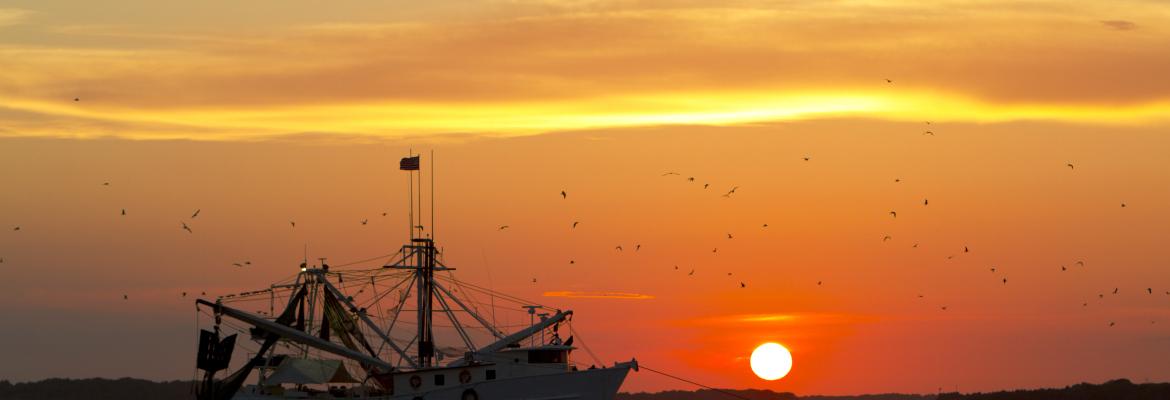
{"x": 13, "y": 16}
{"x": 1120, "y": 25}
{"x": 598, "y": 295}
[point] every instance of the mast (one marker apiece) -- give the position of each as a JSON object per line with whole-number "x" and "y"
{"x": 424, "y": 258}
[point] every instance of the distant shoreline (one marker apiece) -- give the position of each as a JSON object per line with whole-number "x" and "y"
{"x": 122, "y": 388}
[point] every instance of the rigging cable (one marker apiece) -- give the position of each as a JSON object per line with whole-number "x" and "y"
{"x": 691, "y": 382}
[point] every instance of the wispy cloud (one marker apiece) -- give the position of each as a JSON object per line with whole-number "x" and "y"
{"x": 598, "y": 295}
{"x": 13, "y": 16}
{"x": 1121, "y": 25}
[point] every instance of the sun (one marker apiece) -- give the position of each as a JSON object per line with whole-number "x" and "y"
{"x": 771, "y": 361}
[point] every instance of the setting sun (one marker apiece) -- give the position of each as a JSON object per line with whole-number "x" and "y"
{"x": 771, "y": 361}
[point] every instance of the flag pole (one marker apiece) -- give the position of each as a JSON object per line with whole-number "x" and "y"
{"x": 432, "y": 195}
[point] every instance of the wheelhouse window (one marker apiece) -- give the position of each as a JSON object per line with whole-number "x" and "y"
{"x": 491, "y": 374}
{"x": 547, "y": 357}
{"x": 440, "y": 379}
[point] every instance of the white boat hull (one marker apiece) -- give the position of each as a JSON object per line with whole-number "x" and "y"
{"x": 591, "y": 384}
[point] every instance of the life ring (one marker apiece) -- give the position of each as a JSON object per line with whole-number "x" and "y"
{"x": 470, "y": 394}
{"x": 415, "y": 381}
{"x": 465, "y": 376}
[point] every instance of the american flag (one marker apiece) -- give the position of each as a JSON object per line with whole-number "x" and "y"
{"x": 408, "y": 164}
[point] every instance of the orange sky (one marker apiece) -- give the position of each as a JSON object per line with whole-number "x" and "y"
{"x": 270, "y": 111}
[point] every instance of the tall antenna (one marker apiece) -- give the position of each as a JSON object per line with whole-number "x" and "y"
{"x": 432, "y": 194}
{"x": 410, "y": 195}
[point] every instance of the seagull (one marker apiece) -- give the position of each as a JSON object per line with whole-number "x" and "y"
{"x": 1111, "y": 324}
{"x": 742, "y": 285}
{"x": 247, "y": 263}
{"x": 705, "y": 185}
{"x": 896, "y": 180}
{"x": 572, "y": 262}
{"x": 502, "y": 227}
{"x": 196, "y": 214}
{"x": 950, "y": 256}
{"x": 886, "y": 238}
{"x": 944, "y": 308}
{"x": 806, "y": 158}
{"x": 1004, "y": 281}
{"x": 618, "y": 248}
{"x": 966, "y": 250}
{"x": 17, "y": 228}
{"x": 1063, "y": 268}
{"x": 730, "y": 192}
{"x": 915, "y": 245}
{"x": 1085, "y": 304}
{"x": 765, "y": 225}
{"x": 184, "y": 294}
{"x": 921, "y": 296}
{"x": 670, "y": 173}
{"x": 1100, "y": 295}
{"x": 1122, "y": 205}
{"x": 575, "y": 224}
{"x": 691, "y": 273}
{"x": 1081, "y": 263}
{"x": 533, "y": 280}
{"x": 105, "y": 184}
{"x": 125, "y": 297}
{"x": 1115, "y": 290}
{"x": 931, "y": 133}
{"x": 365, "y": 221}
{"x": 888, "y": 80}
{"x": 293, "y": 223}
{"x": 926, "y": 202}
{"x": 1150, "y": 290}
{"x": 637, "y": 247}
{"x": 819, "y": 283}
{"x": 993, "y": 270}
{"x": 385, "y": 214}
{"x": 185, "y": 227}
{"x": 564, "y": 195}
{"x": 729, "y": 236}
{"x": 1070, "y": 166}
{"x": 676, "y": 267}
{"x": 238, "y": 264}
{"x": 691, "y": 179}
{"x": 894, "y": 213}
{"x": 715, "y": 250}
{"x": 123, "y": 211}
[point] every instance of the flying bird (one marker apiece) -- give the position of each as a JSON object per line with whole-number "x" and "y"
{"x": 184, "y": 294}
{"x": 896, "y": 180}
{"x": 676, "y": 267}
{"x": 888, "y": 80}
{"x": 931, "y": 133}
{"x": 123, "y": 211}
{"x": 819, "y": 283}
{"x": 691, "y": 273}
{"x": 1150, "y": 290}
{"x": 105, "y": 184}
{"x": 729, "y": 236}
{"x": 966, "y": 250}
{"x": 1111, "y": 324}
{"x": 533, "y": 280}
{"x": 1081, "y": 263}
{"x": 886, "y": 238}
{"x": 926, "y": 202}
{"x": 670, "y": 173}
{"x": 806, "y": 158}
{"x": 894, "y": 214}
{"x": 765, "y": 225}
{"x": 196, "y": 214}
{"x": 915, "y": 245}
{"x": 17, "y": 228}
{"x": 385, "y": 214}
{"x": 293, "y": 223}
{"x": 1115, "y": 290}
{"x": 993, "y": 270}
{"x": 238, "y": 264}
{"x": 742, "y": 285}
{"x": 618, "y": 248}
{"x": 1063, "y": 268}
{"x": 1004, "y": 281}
{"x": 125, "y": 297}
{"x": 637, "y": 247}
{"x": 691, "y": 179}
{"x": 575, "y": 224}
{"x": 944, "y": 308}
{"x": 715, "y": 250}
{"x": 185, "y": 227}
{"x": 502, "y": 227}
{"x": 705, "y": 185}
{"x": 1070, "y": 166}
{"x": 564, "y": 195}
{"x": 1122, "y": 205}
{"x": 365, "y": 221}
{"x": 572, "y": 262}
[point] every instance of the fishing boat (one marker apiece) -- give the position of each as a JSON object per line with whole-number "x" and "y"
{"x": 351, "y": 333}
